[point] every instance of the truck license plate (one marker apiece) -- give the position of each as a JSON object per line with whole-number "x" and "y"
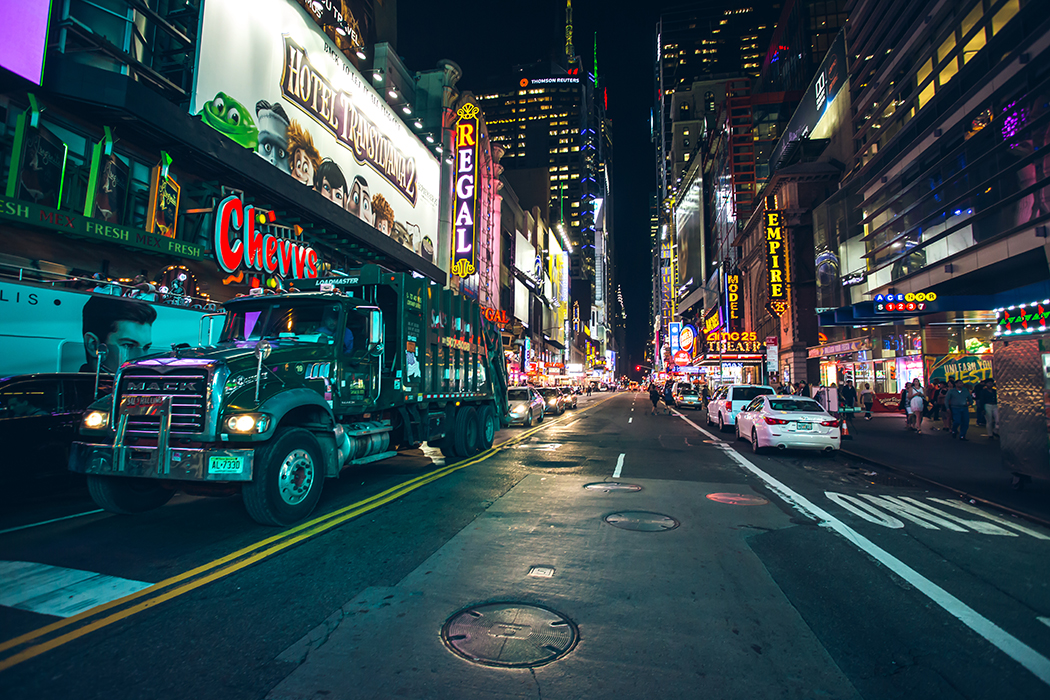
{"x": 800, "y": 426}
{"x": 225, "y": 465}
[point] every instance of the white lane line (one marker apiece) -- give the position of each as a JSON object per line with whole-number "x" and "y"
{"x": 619, "y": 466}
{"x": 630, "y": 420}
{"x": 1010, "y": 645}
{"x": 54, "y": 590}
{"x": 708, "y": 434}
{"x": 52, "y": 520}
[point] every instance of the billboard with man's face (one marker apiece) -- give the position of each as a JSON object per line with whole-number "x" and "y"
{"x": 270, "y": 81}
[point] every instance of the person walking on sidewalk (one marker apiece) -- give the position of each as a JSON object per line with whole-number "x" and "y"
{"x": 669, "y": 395}
{"x": 654, "y": 396}
{"x": 916, "y": 404}
{"x": 937, "y": 401}
{"x": 959, "y": 401}
{"x": 848, "y": 394}
{"x": 867, "y": 397}
{"x": 988, "y": 396}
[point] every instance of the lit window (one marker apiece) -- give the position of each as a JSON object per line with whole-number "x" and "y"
{"x": 946, "y": 47}
{"x": 974, "y": 45}
{"x": 926, "y": 95}
{"x": 948, "y": 72}
{"x": 924, "y": 71}
{"x": 972, "y": 19}
{"x": 1005, "y": 15}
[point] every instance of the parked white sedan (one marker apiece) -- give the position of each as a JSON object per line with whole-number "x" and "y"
{"x": 784, "y": 421}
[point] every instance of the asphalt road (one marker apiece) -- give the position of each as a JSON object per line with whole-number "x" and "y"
{"x": 810, "y": 577}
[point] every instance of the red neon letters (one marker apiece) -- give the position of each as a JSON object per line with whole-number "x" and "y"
{"x": 256, "y": 250}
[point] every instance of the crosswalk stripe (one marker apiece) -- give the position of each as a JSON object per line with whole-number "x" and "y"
{"x": 58, "y": 591}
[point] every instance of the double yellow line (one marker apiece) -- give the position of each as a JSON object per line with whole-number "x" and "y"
{"x": 44, "y": 639}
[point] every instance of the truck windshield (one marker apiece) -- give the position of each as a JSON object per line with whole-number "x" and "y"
{"x": 285, "y": 320}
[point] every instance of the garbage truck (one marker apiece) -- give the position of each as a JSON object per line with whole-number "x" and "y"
{"x": 299, "y": 386}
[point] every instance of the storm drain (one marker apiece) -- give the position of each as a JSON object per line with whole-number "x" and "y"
{"x": 738, "y": 499}
{"x": 607, "y": 486}
{"x": 510, "y": 635}
{"x": 642, "y": 521}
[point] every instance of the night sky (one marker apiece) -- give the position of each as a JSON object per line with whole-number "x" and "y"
{"x": 487, "y": 38}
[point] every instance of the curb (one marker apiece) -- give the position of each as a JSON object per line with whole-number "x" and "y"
{"x": 1020, "y": 514}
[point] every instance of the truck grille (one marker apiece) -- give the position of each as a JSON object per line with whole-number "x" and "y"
{"x": 188, "y": 390}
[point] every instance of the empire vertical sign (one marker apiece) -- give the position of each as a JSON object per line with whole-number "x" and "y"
{"x": 464, "y": 254}
{"x": 776, "y": 264}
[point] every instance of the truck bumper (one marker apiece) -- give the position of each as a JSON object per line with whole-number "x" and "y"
{"x": 180, "y": 464}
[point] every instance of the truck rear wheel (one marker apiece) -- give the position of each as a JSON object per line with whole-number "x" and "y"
{"x": 288, "y": 477}
{"x": 486, "y": 427}
{"x": 125, "y": 495}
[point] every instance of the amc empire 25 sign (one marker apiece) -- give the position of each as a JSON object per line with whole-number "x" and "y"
{"x": 776, "y": 264}
{"x": 464, "y": 257}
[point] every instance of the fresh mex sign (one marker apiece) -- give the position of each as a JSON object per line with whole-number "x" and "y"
{"x": 776, "y": 264}
{"x": 239, "y": 243}
{"x": 464, "y": 254}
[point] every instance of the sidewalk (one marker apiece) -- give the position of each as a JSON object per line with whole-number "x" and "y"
{"x": 973, "y": 467}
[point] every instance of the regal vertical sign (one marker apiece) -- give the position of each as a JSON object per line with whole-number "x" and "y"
{"x": 776, "y": 264}
{"x": 464, "y": 249}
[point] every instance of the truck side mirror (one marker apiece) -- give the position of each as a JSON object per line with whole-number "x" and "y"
{"x": 375, "y": 332}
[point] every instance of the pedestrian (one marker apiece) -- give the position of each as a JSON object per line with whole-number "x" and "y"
{"x": 867, "y": 397}
{"x": 848, "y": 394}
{"x": 903, "y": 405}
{"x": 936, "y": 399}
{"x": 947, "y": 413}
{"x": 669, "y": 395}
{"x": 803, "y": 388}
{"x": 990, "y": 399}
{"x": 917, "y": 404}
{"x": 978, "y": 397}
{"x": 654, "y": 396}
{"x": 958, "y": 402}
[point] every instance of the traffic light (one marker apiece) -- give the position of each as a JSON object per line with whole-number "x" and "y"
{"x": 637, "y": 368}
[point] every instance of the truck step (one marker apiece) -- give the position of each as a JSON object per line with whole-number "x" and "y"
{"x": 373, "y": 458}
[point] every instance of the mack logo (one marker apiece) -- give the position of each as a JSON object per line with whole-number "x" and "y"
{"x": 166, "y": 386}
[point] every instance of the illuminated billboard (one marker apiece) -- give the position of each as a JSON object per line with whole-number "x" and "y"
{"x": 23, "y": 38}
{"x": 281, "y": 88}
{"x": 464, "y": 253}
{"x": 776, "y": 264}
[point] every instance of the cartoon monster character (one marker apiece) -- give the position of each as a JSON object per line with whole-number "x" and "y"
{"x": 384, "y": 214}
{"x": 230, "y": 118}
{"x": 273, "y": 134}
{"x": 304, "y": 155}
{"x": 360, "y": 204}
{"x": 330, "y": 182}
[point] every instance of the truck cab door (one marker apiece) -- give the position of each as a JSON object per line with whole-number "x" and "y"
{"x": 358, "y": 368}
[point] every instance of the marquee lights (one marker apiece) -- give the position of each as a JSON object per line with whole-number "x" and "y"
{"x": 464, "y": 255}
{"x": 1022, "y": 319}
{"x": 776, "y": 264}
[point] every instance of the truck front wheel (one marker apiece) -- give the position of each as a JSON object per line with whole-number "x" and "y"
{"x": 126, "y": 495}
{"x": 287, "y": 481}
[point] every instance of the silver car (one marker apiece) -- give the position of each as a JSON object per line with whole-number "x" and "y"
{"x": 526, "y": 405}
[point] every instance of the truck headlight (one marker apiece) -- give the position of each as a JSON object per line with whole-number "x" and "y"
{"x": 245, "y": 423}
{"x": 96, "y": 420}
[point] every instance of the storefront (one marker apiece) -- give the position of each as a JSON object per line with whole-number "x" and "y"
{"x": 1021, "y": 365}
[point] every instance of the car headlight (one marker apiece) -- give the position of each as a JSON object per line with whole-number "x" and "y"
{"x": 518, "y": 410}
{"x": 245, "y": 423}
{"x": 96, "y": 420}
{"x": 553, "y": 401}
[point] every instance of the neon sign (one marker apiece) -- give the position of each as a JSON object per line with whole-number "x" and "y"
{"x": 776, "y": 264}
{"x": 895, "y": 303}
{"x": 259, "y": 250}
{"x": 1025, "y": 318}
{"x": 732, "y": 301}
{"x": 464, "y": 256}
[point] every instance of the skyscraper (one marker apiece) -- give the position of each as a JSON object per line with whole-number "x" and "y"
{"x": 549, "y": 117}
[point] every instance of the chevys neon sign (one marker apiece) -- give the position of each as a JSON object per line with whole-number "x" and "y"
{"x": 776, "y": 264}
{"x": 464, "y": 256}
{"x": 258, "y": 250}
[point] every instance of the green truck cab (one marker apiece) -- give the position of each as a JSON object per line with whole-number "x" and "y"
{"x": 299, "y": 387}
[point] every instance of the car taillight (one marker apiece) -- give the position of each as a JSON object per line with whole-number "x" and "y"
{"x": 775, "y": 421}
{"x": 729, "y": 405}
{"x": 830, "y": 423}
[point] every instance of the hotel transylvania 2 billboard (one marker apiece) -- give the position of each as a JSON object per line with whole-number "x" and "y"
{"x": 269, "y": 80}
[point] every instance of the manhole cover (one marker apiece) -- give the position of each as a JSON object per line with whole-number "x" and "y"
{"x": 738, "y": 499}
{"x": 512, "y": 635}
{"x": 641, "y": 521}
{"x": 607, "y": 486}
